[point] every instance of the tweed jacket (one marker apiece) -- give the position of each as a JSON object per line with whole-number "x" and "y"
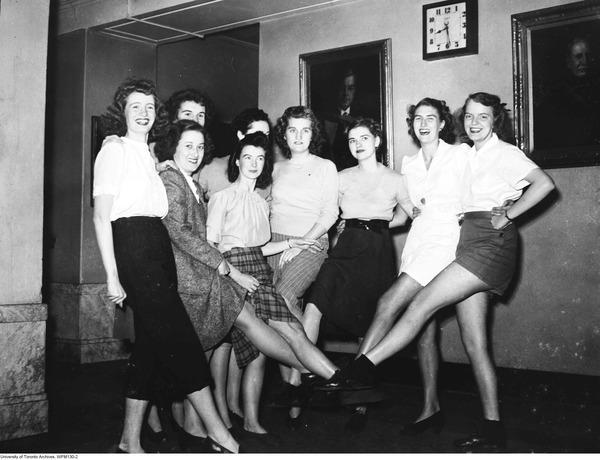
{"x": 212, "y": 301}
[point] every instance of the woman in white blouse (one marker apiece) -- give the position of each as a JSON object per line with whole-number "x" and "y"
{"x": 434, "y": 178}
{"x": 303, "y": 204}
{"x": 129, "y": 202}
{"x": 485, "y": 262}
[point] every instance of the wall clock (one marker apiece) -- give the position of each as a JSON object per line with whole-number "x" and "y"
{"x": 449, "y": 29}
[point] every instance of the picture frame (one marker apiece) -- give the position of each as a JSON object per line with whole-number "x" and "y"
{"x": 358, "y": 76}
{"x": 556, "y": 93}
{"x": 450, "y": 29}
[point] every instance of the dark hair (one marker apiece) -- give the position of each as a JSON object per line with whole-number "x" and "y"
{"x": 113, "y": 121}
{"x": 246, "y": 117}
{"x": 373, "y": 127}
{"x": 501, "y": 125}
{"x": 318, "y": 142}
{"x": 177, "y": 98}
{"x": 447, "y": 133}
{"x": 260, "y": 140}
{"x": 166, "y": 146}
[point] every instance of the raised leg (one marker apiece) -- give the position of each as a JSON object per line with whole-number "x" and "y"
{"x": 452, "y": 285}
{"x": 391, "y": 304}
{"x": 307, "y": 353}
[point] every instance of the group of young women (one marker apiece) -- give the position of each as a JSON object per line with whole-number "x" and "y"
{"x": 229, "y": 278}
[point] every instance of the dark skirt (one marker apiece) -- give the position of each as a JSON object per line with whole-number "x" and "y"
{"x": 268, "y": 303}
{"x": 359, "y": 269}
{"x": 489, "y": 254}
{"x": 166, "y": 345}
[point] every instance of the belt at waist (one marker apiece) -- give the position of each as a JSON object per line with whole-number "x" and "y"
{"x": 375, "y": 225}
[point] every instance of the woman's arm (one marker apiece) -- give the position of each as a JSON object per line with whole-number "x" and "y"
{"x": 540, "y": 185}
{"x": 275, "y": 247}
{"x": 180, "y": 228}
{"x": 102, "y": 208}
{"x": 405, "y": 207}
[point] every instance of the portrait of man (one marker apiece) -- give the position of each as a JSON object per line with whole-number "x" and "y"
{"x": 566, "y": 86}
{"x": 341, "y": 91}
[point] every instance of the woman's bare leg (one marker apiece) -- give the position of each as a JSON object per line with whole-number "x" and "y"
{"x": 219, "y": 364}
{"x": 252, "y": 384}
{"x": 389, "y": 307}
{"x": 203, "y": 403}
{"x": 307, "y": 353}
{"x": 265, "y": 338}
{"x": 452, "y": 285}
{"x": 135, "y": 410}
{"x": 192, "y": 422}
{"x": 234, "y": 384}
{"x": 472, "y": 319}
{"x": 154, "y": 419}
{"x": 429, "y": 363}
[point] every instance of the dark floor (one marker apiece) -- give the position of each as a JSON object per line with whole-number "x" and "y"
{"x": 543, "y": 412}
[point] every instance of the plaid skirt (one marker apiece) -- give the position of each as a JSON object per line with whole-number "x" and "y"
{"x": 268, "y": 303}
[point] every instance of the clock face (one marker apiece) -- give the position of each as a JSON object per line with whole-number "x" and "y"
{"x": 446, "y": 27}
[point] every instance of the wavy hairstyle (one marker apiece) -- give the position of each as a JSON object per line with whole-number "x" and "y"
{"x": 374, "y": 128}
{"x": 502, "y": 125}
{"x": 318, "y": 142}
{"x": 246, "y": 117}
{"x": 113, "y": 120}
{"x": 166, "y": 146}
{"x": 260, "y": 140}
{"x": 447, "y": 134}
{"x": 190, "y": 94}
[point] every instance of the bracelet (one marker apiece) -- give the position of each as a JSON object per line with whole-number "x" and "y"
{"x": 506, "y": 215}
{"x": 288, "y": 243}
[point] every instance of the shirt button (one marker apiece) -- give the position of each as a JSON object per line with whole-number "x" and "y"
{"x": 422, "y": 200}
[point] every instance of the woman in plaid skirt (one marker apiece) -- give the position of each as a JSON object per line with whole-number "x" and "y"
{"x": 238, "y": 222}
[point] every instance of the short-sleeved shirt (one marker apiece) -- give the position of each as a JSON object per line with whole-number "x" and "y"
{"x": 126, "y": 170}
{"x": 370, "y": 195}
{"x": 237, "y": 218}
{"x": 495, "y": 173}
{"x": 304, "y": 193}
{"x": 440, "y": 188}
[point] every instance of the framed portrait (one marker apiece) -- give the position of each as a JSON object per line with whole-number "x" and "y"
{"x": 556, "y": 63}
{"x": 97, "y": 138}
{"x": 342, "y": 84}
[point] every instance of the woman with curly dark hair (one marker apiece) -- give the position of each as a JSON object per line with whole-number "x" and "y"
{"x": 303, "y": 204}
{"x": 190, "y": 104}
{"x": 485, "y": 261}
{"x": 129, "y": 203}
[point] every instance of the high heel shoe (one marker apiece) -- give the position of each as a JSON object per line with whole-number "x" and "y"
{"x": 216, "y": 448}
{"x": 434, "y": 422}
{"x": 192, "y": 443}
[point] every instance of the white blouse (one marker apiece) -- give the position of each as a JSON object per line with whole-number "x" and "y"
{"x": 440, "y": 188}
{"x": 126, "y": 171}
{"x": 496, "y": 173}
{"x": 238, "y": 218}
{"x": 370, "y": 195}
{"x": 304, "y": 193}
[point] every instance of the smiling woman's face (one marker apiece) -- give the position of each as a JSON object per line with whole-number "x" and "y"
{"x": 140, "y": 112}
{"x": 362, "y": 143}
{"x": 427, "y": 124}
{"x": 189, "y": 151}
{"x": 479, "y": 122}
{"x": 251, "y": 162}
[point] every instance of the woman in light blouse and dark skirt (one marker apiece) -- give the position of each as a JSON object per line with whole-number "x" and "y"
{"x": 129, "y": 203}
{"x": 485, "y": 262}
